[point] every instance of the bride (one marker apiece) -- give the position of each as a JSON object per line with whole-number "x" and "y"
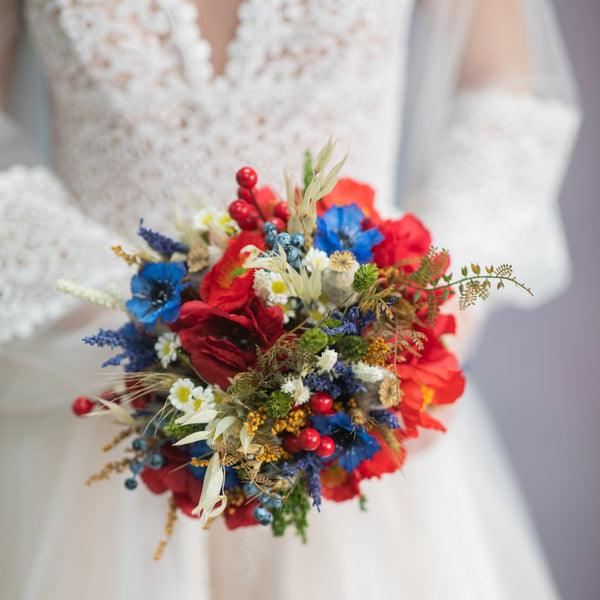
{"x": 471, "y": 102}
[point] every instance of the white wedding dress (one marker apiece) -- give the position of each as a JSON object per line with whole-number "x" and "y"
{"x": 138, "y": 116}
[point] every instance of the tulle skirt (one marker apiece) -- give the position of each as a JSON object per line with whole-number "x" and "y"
{"x": 449, "y": 526}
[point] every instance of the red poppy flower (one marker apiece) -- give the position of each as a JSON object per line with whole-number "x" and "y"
{"x": 430, "y": 379}
{"x": 230, "y": 269}
{"x": 403, "y": 238}
{"x": 339, "y": 485}
{"x": 221, "y": 339}
{"x": 240, "y": 516}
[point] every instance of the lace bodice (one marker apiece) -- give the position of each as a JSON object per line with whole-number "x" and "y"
{"x": 138, "y": 113}
{"x": 138, "y": 116}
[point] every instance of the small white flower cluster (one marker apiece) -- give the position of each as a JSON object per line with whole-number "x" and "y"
{"x": 326, "y": 361}
{"x": 368, "y": 373}
{"x": 315, "y": 260}
{"x": 187, "y": 397}
{"x": 296, "y": 388}
{"x": 166, "y": 348}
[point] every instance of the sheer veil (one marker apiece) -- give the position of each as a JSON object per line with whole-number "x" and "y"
{"x": 489, "y": 155}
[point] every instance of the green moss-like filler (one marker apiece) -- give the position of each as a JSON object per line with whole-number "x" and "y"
{"x": 278, "y": 404}
{"x": 292, "y": 512}
{"x": 313, "y": 340}
{"x": 364, "y": 278}
{"x": 352, "y": 347}
{"x": 178, "y": 432}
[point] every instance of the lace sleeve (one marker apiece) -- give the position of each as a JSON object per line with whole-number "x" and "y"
{"x": 492, "y": 191}
{"x": 44, "y": 238}
{"x": 488, "y": 154}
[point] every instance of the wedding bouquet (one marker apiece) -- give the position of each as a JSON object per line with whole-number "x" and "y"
{"x": 281, "y": 352}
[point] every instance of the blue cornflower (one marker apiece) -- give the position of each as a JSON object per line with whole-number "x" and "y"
{"x": 353, "y": 444}
{"x": 155, "y": 291}
{"x": 138, "y": 347}
{"x": 340, "y": 228}
{"x": 161, "y": 243}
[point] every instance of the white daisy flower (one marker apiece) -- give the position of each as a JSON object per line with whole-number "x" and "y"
{"x": 181, "y": 394}
{"x": 326, "y": 361}
{"x": 216, "y": 217}
{"x": 187, "y": 397}
{"x": 270, "y": 287}
{"x": 204, "y": 216}
{"x": 166, "y": 348}
{"x": 316, "y": 260}
{"x": 368, "y": 373}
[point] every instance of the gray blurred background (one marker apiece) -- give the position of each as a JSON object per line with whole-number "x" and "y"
{"x": 552, "y": 355}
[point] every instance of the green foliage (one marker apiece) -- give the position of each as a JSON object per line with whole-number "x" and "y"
{"x": 177, "y": 432}
{"x": 313, "y": 340}
{"x": 362, "y": 503}
{"x": 308, "y": 169}
{"x": 364, "y": 278}
{"x": 293, "y": 511}
{"x": 278, "y": 404}
{"x": 352, "y": 347}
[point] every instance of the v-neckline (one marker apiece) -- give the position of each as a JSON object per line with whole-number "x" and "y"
{"x": 212, "y": 76}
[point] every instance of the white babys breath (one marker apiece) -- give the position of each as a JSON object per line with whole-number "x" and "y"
{"x": 187, "y": 397}
{"x": 270, "y": 287}
{"x": 368, "y": 373}
{"x": 316, "y": 260}
{"x": 295, "y": 388}
{"x": 166, "y": 348}
{"x": 326, "y": 361}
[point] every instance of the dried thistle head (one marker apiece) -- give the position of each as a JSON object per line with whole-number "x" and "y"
{"x": 342, "y": 261}
{"x": 390, "y": 393}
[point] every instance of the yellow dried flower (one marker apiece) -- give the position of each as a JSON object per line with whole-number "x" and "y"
{"x": 376, "y": 352}
{"x": 198, "y": 258}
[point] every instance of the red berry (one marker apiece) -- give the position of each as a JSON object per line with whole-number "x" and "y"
{"x": 246, "y": 177}
{"x": 292, "y": 444}
{"x": 278, "y": 223}
{"x": 321, "y": 402}
{"x": 239, "y": 210}
{"x": 309, "y": 439}
{"x": 82, "y": 406}
{"x": 244, "y": 194}
{"x": 249, "y": 224}
{"x": 282, "y": 211}
{"x": 326, "y": 447}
